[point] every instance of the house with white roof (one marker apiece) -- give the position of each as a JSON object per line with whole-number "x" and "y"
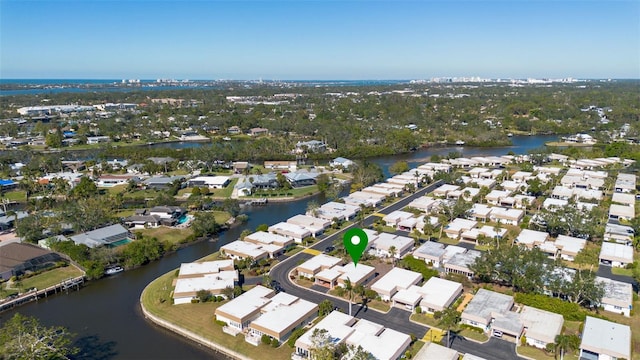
{"x": 618, "y": 296}
{"x": 480, "y": 212}
{"x": 460, "y": 263}
{"x": 562, "y": 193}
{"x": 320, "y": 262}
{"x": 621, "y": 212}
{"x": 395, "y": 280}
{"x": 212, "y": 276}
{"x": 239, "y": 312}
{"x": 623, "y": 199}
{"x": 614, "y": 254}
{"x": 335, "y": 210}
{"x": 483, "y": 308}
{"x": 625, "y": 183}
{"x": 531, "y": 238}
{"x": 393, "y": 218}
{"x": 438, "y": 294}
{"x": 602, "y": 339}
{"x": 341, "y": 163}
{"x": 514, "y": 186}
{"x": 541, "y": 327}
{"x": 278, "y": 318}
{"x": 380, "y": 342}
{"x": 240, "y": 250}
{"x": 315, "y": 225}
{"x": 506, "y": 216}
{"x": 432, "y": 351}
{"x": 212, "y": 182}
{"x": 458, "y": 226}
{"x": 521, "y": 176}
{"x": 495, "y": 196}
{"x": 487, "y": 231}
{"x": 295, "y": 232}
{"x": 442, "y": 190}
{"x": 276, "y": 244}
{"x": 425, "y": 204}
{"x": 365, "y": 198}
{"x": 381, "y": 245}
{"x": 431, "y": 252}
{"x": 357, "y": 275}
{"x": 569, "y": 246}
{"x": 619, "y": 233}
{"x": 552, "y": 204}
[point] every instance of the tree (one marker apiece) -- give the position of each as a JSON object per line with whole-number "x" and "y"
{"x": 566, "y": 343}
{"x": 23, "y": 337}
{"x": 349, "y": 288}
{"x": 399, "y": 167}
{"x": 448, "y": 319}
{"x": 392, "y": 252}
{"x": 325, "y": 307}
{"x": 322, "y": 347}
{"x": 204, "y": 224}
{"x": 313, "y": 208}
{"x": 262, "y": 227}
{"x": 203, "y": 295}
{"x": 85, "y": 188}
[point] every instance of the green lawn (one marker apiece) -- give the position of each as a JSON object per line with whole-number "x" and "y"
{"x": 115, "y": 189}
{"x": 538, "y": 354}
{"x": 426, "y": 319}
{"x": 199, "y": 319}
{"x": 473, "y": 335}
{"x": 296, "y": 192}
{"x": 172, "y": 235}
{"x": 621, "y": 271}
{"x": 226, "y": 191}
{"x": 51, "y": 277}
{"x": 379, "y": 305}
{"x": 16, "y": 195}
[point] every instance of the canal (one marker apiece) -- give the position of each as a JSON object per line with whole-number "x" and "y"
{"x": 106, "y": 314}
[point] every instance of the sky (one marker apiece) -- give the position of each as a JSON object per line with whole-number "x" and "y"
{"x": 318, "y": 40}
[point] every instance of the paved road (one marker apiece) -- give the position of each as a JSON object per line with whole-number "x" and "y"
{"x": 396, "y": 318}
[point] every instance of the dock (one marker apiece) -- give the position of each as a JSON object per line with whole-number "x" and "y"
{"x": 260, "y": 201}
{"x": 64, "y": 286}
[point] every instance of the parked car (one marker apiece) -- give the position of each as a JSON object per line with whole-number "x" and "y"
{"x": 329, "y": 249}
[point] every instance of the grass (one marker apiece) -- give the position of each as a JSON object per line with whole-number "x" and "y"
{"x": 423, "y": 318}
{"x": 473, "y": 335}
{"x": 16, "y": 195}
{"x": 539, "y": 354}
{"x": 116, "y": 189}
{"x": 142, "y": 194}
{"x": 51, "y": 277}
{"x": 621, "y": 271}
{"x": 125, "y": 213}
{"x": 199, "y": 319}
{"x": 226, "y": 191}
{"x": 172, "y": 235}
{"x": 413, "y": 349}
{"x": 295, "y": 192}
{"x": 379, "y": 305}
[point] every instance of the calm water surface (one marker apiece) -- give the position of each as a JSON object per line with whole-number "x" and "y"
{"x": 106, "y": 314}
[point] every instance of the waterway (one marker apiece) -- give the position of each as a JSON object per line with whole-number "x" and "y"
{"x": 106, "y": 314}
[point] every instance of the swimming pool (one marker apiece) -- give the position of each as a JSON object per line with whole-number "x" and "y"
{"x": 183, "y": 219}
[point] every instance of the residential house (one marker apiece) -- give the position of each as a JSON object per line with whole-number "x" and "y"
{"x": 431, "y": 252}
{"x": 258, "y": 131}
{"x": 212, "y": 276}
{"x": 18, "y": 258}
{"x": 212, "y": 182}
{"x": 618, "y": 296}
{"x": 320, "y": 262}
{"x": 111, "y": 236}
{"x": 460, "y": 263}
{"x": 617, "y": 255}
{"x": 341, "y": 163}
{"x": 603, "y": 339}
{"x": 393, "y": 281}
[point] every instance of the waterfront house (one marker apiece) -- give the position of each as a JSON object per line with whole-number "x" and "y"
{"x": 18, "y": 258}
{"x": 211, "y": 276}
{"x": 110, "y": 236}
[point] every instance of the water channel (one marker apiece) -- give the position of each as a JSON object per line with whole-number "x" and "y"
{"x": 106, "y": 315}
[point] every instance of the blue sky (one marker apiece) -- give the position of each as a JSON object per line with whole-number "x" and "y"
{"x": 298, "y": 39}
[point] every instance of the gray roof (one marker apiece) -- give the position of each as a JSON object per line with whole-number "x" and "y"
{"x": 162, "y": 180}
{"x": 616, "y": 290}
{"x": 606, "y": 337}
{"x": 431, "y": 248}
{"x": 6, "y": 219}
{"x": 464, "y": 259}
{"x": 486, "y": 302}
{"x": 102, "y": 236}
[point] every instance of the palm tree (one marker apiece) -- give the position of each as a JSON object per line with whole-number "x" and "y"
{"x": 392, "y": 252}
{"x": 349, "y": 288}
{"x": 566, "y": 343}
{"x": 447, "y": 319}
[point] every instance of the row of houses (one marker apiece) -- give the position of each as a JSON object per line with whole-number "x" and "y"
{"x": 495, "y": 313}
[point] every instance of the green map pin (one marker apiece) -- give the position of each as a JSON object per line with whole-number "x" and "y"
{"x": 355, "y": 241}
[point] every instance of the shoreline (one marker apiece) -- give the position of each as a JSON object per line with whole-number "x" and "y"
{"x": 186, "y": 333}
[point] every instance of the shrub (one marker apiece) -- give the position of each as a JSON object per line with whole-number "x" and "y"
{"x": 220, "y": 322}
{"x": 265, "y": 339}
{"x": 418, "y": 310}
{"x": 295, "y": 335}
{"x": 275, "y": 343}
{"x": 570, "y": 311}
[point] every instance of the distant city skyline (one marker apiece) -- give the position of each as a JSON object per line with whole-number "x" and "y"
{"x": 318, "y": 40}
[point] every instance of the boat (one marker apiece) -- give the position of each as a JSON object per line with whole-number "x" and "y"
{"x": 510, "y": 134}
{"x": 113, "y": 270}
{"x": 459, "y": 142}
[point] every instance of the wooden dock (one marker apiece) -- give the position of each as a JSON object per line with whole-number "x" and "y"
{"x": 261, "y": 201}
{"x": 64, "y": 286}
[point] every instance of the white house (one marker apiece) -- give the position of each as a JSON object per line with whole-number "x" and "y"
{"x": 605, "y": 340}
